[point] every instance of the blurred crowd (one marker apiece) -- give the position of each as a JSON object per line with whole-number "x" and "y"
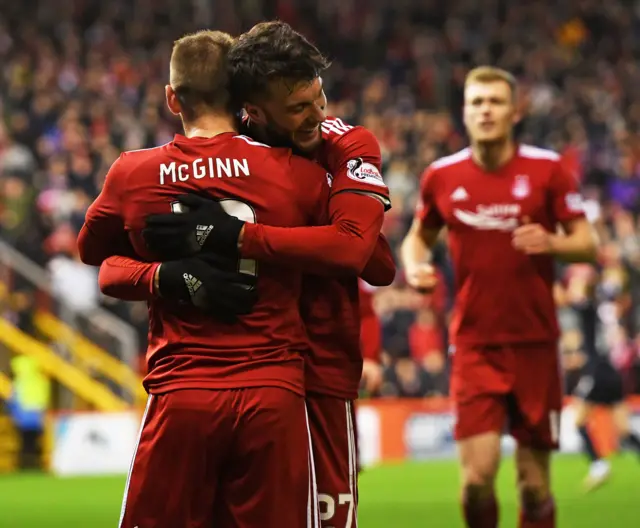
{"x": 83, "y": 80}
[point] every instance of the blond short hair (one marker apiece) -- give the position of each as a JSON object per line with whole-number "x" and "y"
{"x": 489, "y": 74}
{"x": 199, "y": 71}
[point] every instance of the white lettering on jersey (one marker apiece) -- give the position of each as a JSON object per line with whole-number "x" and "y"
{"x": 201, "y": 167}
{"x": 494, "y": 217}
{"x": 499, "y": 210}
{"x": 363, "y": 172}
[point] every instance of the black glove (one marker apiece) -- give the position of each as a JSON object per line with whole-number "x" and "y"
{"x": 223, "y": 294}
{"x": 201, "y": 225}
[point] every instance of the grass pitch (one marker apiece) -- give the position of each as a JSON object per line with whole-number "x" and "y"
{"x": 409, "y": 495}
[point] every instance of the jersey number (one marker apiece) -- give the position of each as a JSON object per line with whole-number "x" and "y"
{"x": 242, "y": 211}
{"x": 329, "y": 510}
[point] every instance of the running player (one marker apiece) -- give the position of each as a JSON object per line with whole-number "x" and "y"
{"x": 502, "y": 203}
{"x": 600, "y": 384}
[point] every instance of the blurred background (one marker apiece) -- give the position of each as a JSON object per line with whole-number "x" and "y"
{"x": 83, "y": 80}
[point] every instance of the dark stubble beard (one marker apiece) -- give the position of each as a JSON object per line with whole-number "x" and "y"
{"x": 273, "y": 135}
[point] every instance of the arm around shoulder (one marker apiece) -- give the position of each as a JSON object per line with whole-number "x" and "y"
{"x": 103, "y": 233}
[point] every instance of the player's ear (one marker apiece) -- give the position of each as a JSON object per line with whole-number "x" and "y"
{"x": 256, "y": 114}
{"x": 172, "y": 100}
{"x": 517, "y": 117}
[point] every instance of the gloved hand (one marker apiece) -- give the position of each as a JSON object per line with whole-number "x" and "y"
{"x": 199, "y": 282}
{"x": 203, "y": 225}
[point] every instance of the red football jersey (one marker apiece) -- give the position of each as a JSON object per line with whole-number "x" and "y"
{"x": 370, "y": 329}
{"x": 502, "y": 295}
{"x": 256, "y": 183}
{"x": 330, "y": 306}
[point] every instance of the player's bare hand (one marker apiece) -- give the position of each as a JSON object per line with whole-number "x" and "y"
{"x": 532, "y": 239}
{"x": 422, "y": 277}
{"x": 371, "y": 380}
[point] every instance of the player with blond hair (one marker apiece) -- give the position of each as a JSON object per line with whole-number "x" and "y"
{"x": 225, "y": 436}
{"x": 502, "y": 203}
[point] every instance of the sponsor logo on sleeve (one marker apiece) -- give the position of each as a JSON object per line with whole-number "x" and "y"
{"x": 363, "y": 172}
{"x": 574, "y": 203}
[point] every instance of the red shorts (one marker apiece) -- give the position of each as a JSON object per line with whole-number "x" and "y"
{"x": 225, "y": 458}
{"x": 517, "y": 386}
{"x": 333, "y": 436}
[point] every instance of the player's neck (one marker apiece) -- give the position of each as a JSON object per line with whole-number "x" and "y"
{"x": 493, "y": 156}
{"x": 209, "y": 126}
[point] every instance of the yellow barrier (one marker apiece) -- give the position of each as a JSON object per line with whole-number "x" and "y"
{"x": 92, "y": 355}
{"x": 5, "y": 386}
{"x": 74, "y": 379}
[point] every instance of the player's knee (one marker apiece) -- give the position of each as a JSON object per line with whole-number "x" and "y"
{"x": 581, "y": 419}
{"x": 478, "y": 481}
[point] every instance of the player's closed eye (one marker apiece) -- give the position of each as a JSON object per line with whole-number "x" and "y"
{"x": 298, "y": 109}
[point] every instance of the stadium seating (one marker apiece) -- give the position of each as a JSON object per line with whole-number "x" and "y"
{"x": 69, "y": 109}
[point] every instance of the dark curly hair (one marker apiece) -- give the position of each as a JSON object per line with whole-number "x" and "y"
{"x": 271, "y": 51}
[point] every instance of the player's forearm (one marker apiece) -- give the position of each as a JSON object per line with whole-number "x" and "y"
{"x": 127, "y": 279}
{"x": 414, "y": 250}
{"x": 323, "y": 250}
{"x": 95, "y": 249}
{"x": 581, "y": 246}
{"x": 344, "y": 247}
{"x": 380, "y": 270}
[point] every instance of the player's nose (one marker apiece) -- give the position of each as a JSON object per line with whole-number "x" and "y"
{"x": 319, "y": 114}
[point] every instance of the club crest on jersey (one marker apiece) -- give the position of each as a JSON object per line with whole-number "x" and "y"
{"x": 364, "y": 172}
{"x": 521, "y": 187}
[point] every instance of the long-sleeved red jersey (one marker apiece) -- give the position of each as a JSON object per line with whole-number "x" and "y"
{"x": 333, "y": 255}
{"x": 187, "y": 348}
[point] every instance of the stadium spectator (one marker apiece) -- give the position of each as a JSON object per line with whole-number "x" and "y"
{"x": 83, "y": 81}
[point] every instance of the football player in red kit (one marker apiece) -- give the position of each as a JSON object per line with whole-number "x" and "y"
{"x": 288, "y": 111}
{"x": 224, "y": 433}
{"x": 330, "y": 307}
{"x": 501, "y": 203}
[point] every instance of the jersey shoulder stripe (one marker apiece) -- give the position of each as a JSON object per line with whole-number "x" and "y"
{"x": 531, "y": 152}
{"x": 335, "y": 126}
{"x": 251, "y": 141}
{"x": 339, "y": 123}
{"x": 458, "y": 157}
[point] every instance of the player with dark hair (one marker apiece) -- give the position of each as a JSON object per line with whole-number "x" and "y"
{"x": 275, "y": 71}
{"x": 502, "y": 203}
{"x": 600, "y": 383}
{"x": 276, "y": 74}
{"x": 224, "y": 435}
